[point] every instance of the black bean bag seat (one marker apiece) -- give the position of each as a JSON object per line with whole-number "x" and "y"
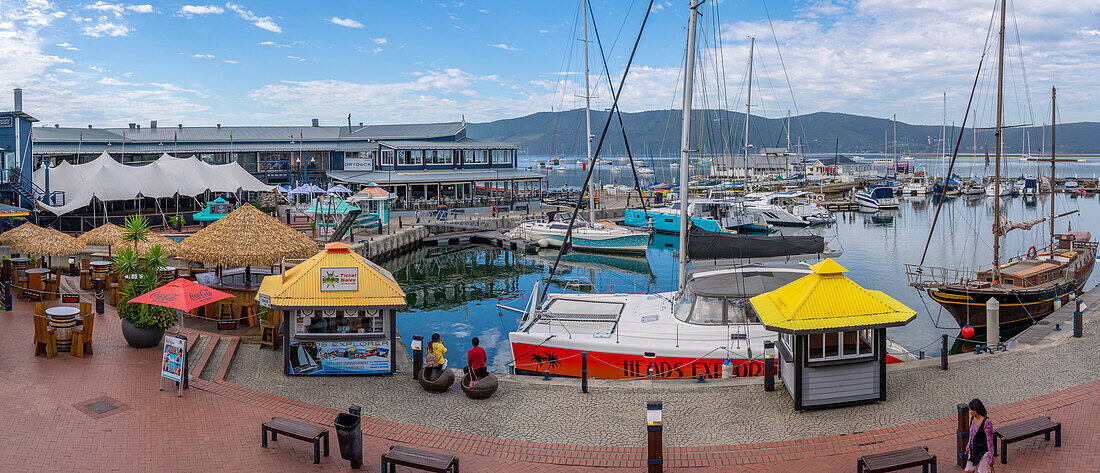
{"x": 481, "y": 389}
{"x": 436, "y": 380}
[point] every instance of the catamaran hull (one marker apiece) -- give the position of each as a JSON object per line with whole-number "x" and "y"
{"x": 665, "y": 222}
{"x": 1019, "y": 307}
{"x": 635, "y": 243}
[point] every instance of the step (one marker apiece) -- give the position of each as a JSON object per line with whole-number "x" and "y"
{"x": 217, "y": 352}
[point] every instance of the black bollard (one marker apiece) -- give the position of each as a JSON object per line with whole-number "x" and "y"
{"x": 98, "y": 286}
{"x": 943, "y": 354}
{"x": 72, "y": 267}
{"x": 769, "y": 366}
{"x": 418, "y": 355}
{"x": 7, "y": 297}
{"x": 962, "y": 436}
{"x": 655, "y": 460}
{"x": 584, "y": 372}
{"x": 1078, "y": 320}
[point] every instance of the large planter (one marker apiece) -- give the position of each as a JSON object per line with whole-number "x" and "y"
{"x": 141, "y": 337}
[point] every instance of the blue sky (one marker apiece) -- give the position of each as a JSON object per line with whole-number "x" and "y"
{"x": 277, "y": 62}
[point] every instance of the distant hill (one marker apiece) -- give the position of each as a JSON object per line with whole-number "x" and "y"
{"x": 657, "y": 132}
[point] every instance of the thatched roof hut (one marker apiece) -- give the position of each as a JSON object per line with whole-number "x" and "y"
{"x": 169, "y": 245}
{"x": 246, "y": 237}
{"x": 18, "y": 233}
{"x": 48, "y": 242}
{"x": 104, "y": 235}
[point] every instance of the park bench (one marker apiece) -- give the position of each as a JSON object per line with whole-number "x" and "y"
{"x": 897, "y": 460}
{"x": 298, "y": 430}
{"x": 1025, "y": 430}
{"x": 419, "y": 459}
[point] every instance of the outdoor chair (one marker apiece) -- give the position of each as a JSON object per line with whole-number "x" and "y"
{"x": 45, "y": 337}
{"x": 82, "y": 336}
{"x": 40, "y": 308}
{"x": 85, "y": 274}
{"x": 53, "y": 286}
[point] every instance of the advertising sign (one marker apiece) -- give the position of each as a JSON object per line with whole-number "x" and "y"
{"x": 339, "y": 357}
{"x": 339, "y": 279}
{"x": 263, "y": 299}
{"x": 358, "y": 162}
{"x": 5, "y": 122}
{"x": 70, "y": 298}
{"x": 174, "y": 358}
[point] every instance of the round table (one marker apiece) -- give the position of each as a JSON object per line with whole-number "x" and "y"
{"x": 63, "y": 319}
{"x": 100, "y": 269}
{"x": 19, "y": 264}
{"x": 35, "y": 277}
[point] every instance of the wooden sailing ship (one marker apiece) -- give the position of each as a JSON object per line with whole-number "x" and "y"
{"x": 1028, "y": 287}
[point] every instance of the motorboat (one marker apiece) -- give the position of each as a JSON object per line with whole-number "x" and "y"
{"x": 918, "y": 185}
{"x": 972, "y": 188}
{"x": 716, "y": 215}
{"x": 585, "y": 236}
{"x": 645, "y": 170}
{"x": 877, "y": 198}
{"x": 790, "y": 208}
{"x": 990, "y": 190}
{"x": 669, "y": 335}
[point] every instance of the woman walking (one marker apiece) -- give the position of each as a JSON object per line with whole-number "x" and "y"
{"x": 978, "y": 449}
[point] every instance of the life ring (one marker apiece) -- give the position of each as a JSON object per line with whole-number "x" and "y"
{"x": 494, "y": 211}
{"x": 1032, "y": 252}
{"x": 820, "y": 198}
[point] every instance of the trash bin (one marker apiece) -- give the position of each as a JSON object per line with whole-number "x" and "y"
{"x": 349, "y": 434}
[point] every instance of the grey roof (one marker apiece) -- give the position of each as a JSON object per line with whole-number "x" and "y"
{"x": 171, "y": 147}
{"x": 251, "y": 133}
{"x": 20, "y": 114}
{"x": 409, "y": 131}
{"x": 432, "y": 176}
{"x": 9, "y": 209}
{"x": 51, "y": 134}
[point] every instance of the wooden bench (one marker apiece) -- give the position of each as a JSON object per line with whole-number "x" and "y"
{"x": 419, "y": 459}
{"x": 897, "y": 460}
{"x": 298, "y": 430}
{"x": 1025, "y": 430}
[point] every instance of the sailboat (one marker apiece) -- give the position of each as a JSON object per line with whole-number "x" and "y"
{"x": 585, "y": 234}
{"x": 1027, "y": 287}
{"x": 704, "y": 329}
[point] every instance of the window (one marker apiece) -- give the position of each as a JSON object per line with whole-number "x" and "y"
{"x": 703, "y": 310}
{"x": 442, "y": 156}
{"x": 327, "y": 322}
{"x": 477, "y": 156}
{"x": 502, "y": 156}
{"x": 387, "y": 157}
{"x": 840, "y": 345}
{"x": 410, "y": 157}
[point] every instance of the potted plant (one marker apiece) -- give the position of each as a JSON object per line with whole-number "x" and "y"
{"x": 143, "y": 325}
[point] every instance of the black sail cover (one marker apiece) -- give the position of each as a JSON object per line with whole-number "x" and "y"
{"x": 705, "y": 244}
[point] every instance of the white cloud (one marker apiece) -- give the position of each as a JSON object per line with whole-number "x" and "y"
{"x": 190, "y": 11}
{"x": 146, "y": 8}
{"x": 68, "y": 46}
{"x": 203, "y": 56}
{"x": 482, "y": 10}
{"x": 105, "y": 27}
{"x": 65, "y": 70}
{"x": 377, "y": 50}
{"x": 118, "y": 9}
{"x": 229, "y": 61}
{"x": 263, "y": 22}
{"x": 267, "y": 43}
{"x": 1086, "y": 31}
{"x": 380, "y": 41}
{"x": 112, "y": 81}
{"x": 503, "y": 46}
{"x": 295, "y": 58}
{"x": 346, "y": 22}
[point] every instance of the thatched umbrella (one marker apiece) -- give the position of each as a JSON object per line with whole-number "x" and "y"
{"x": 104, "y": 235}
{"x": 167, "y": 244}
{"x": 246, "y": 237}
{"x": 18, "y": 233}
{"x": 48, "y": 242}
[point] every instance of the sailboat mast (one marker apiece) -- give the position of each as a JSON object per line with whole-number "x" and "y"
{"x": 895, "y": 143}
{"x": 748, "y": 108}
{"x": 1053, "y": 127}
{"x": 588, "y": 118}
{"x": 997, "y": 152}
{"x": 685, "y": 139}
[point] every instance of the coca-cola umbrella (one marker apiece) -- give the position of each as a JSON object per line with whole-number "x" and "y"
{"x": 183, "y": 295}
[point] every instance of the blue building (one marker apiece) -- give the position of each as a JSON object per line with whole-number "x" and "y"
{"x": 16, "y": 150}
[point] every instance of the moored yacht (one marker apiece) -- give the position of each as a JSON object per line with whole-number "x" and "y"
{"x": 877, "y": 198}
{"x": 586, "y": 236}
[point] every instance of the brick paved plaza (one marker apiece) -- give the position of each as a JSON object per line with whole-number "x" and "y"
{"x": 105, "y": 413}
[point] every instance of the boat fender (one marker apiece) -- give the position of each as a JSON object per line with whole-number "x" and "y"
{"x": 1057, "y": 302}
{"x": 1032, "y": 252}
{"x": 544, "y": 243}
{"x": 727, "y": 369}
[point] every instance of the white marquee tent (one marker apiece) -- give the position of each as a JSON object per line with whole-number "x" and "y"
{"x": 108, "y": 180}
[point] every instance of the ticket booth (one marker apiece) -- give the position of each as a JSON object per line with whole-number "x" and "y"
{"x": 339, "y": 313}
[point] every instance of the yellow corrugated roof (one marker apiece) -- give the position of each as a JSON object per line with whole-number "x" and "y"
{"x": 826, "y": 300}
{"x": 301, "y": 286}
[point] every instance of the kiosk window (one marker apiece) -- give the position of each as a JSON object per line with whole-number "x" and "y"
{"x": 339, "y": 321}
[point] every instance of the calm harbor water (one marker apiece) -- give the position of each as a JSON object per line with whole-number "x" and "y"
{"x": 455, "y": 291}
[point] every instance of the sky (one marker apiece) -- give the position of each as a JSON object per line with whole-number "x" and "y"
{"x": 248, "y": 62}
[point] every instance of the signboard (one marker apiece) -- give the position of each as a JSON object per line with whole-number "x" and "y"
{"x": 5, "y": 122}
{"x": 358, "y": 162}
{"x": 33, "y": 296}
{"x": 173, "y": 364}
{"x": 339, "y": 279}
{"x": 264, "y": 300}
{"x": 70, "y": 298}
{"x": 339, "y": 357}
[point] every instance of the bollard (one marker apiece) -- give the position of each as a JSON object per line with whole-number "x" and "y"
{"x": 400, "y": 224}
{"x": 98, "y": 285}
{"x": 921, "y": 356}
{"x": 943, "y": 354}
{"x": 546, "y": 375}
{"x": 1057, "y": 327}
{"x": 653, "y": 434}
{"x": 650, "y": 373}
{"x": 992, "y": 321}
{"x": 584, "y": 372}
{"x": 418, "y": 355}
{"x": 355, "y": 410}
{"x": 72, "y": 267}
{"x": 962, "y": 434}
{"x": 702, "y": 379}
{"x": 7, "y": 297}
{"x": 1078, "y": 320}
{"x": 769, "y": 366}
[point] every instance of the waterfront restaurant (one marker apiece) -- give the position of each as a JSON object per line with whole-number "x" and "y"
{"x": 832, "y": 337}
{"x": 339, "y": 313}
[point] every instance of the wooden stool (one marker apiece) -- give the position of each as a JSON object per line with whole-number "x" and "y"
{"x": 85, "y": 279}
{"x": 225, "y": 309}
{"x": 269, "y": 335}
{"x": 21, "y": 285}
{"x": 248, "y": 312}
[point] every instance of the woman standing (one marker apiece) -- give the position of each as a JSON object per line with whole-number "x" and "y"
{"x": 979, "y": 453}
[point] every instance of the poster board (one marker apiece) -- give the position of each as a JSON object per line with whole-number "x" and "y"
{"x": 335, "y": 357}
{"x": 70, "y": 298}
{"x": 173, "y": 365}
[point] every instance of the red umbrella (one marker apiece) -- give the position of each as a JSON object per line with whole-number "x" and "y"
{"x": 181, "y": 294}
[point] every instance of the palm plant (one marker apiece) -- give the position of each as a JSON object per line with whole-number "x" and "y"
{"x": 135, "y": 230}
{"x": 140, "y": 270}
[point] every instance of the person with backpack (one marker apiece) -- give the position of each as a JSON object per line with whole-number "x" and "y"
{"x": 435, "y": 357}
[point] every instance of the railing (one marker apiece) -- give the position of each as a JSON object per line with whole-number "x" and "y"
{"x": 931, "y": 276}
{"x": 34, "y": 193}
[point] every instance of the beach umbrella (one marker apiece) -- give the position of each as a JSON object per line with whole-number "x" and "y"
{"x": 48, "y": 242}
{"x": 181, "y": 294}
{"x": 246, "y": 237}
{"x": 18, "y": 233}
{"x": 104, "y": 235}
{"x": 339, "y": 189}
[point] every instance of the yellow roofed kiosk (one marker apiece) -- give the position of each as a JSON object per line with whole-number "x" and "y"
{"x": 339, "y": 313}
{"x": 832, "y": 336}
